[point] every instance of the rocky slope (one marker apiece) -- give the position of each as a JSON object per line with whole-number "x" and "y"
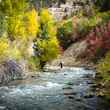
{"x": 72, "y": 56}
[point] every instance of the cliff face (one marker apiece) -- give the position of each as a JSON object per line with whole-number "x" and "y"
{"x": 69, "y": 8}
{"x": 61, "y": 9}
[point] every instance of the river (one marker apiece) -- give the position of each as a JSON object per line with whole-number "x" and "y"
{"x": 64, "y": 89}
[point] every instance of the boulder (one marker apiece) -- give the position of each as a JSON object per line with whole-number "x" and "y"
{"x": 3, "y": 108}
{"x": 10, "y": 70}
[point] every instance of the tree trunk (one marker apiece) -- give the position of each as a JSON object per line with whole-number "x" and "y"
{"x": 42, "y": 64}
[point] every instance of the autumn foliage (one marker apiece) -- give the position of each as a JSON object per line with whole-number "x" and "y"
{"x": 46, "y": 45}
{"x": 99, "y": 41}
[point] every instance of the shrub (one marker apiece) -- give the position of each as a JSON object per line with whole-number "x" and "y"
{"x": 85, "y": 24}
{"x": 105, "y": 16}
{"x": 8, "y": 51}
{"x": 103, "y": 5}
{"x": 104, "y": 67}
{"x": 33, "y": 63}
{"x": 99, "y": 41}
{"x": 103, "y": 72}
{"x": 64, "y": 34}
{"x": 14, "y": 53}
{"x": 4, "y": 46}
{"x": 78, "y": 27}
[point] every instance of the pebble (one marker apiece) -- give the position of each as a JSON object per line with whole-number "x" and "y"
{"x": 78, "y": 99}
{"x": 70, "y": 97}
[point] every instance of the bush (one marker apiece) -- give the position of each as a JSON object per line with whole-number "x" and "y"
{"x": 104, "y": 67}
{"x": 65, "y": 32}
{"x": 99, "y": 41}
{"x": 33, "y": 63}
{"x": 78, "y": 27}
{"x": 4, "y": 47}
{"x": 85, "y": 24}
{"x": 105, "y": 16}
{"x": 103, "y": 72}
{"x": 103, "y": 5}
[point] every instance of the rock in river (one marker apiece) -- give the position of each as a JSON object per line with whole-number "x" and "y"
{"x": 10, "y": 70}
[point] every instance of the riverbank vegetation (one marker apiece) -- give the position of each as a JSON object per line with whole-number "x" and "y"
{"x": 78, "y": 27}
{"x": 24, "y": 34}
{"x": 103, "y": 52}
{"x": 95, "y": 29}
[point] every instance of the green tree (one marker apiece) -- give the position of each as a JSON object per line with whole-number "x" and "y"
{"x": 46, "y": 45}
{"x": 103, "y": 5}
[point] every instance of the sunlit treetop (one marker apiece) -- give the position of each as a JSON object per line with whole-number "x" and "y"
{"x": 19, "y": 19}
{"x": 32, "y": 25}
{"x": 47, "y": 24}
{"x": 8, "y": 7}
{"x": 45, "y": 16}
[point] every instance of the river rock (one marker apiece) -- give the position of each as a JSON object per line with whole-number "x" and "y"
{"x": 35, "y": 76}
{"x": 10, "y": 70}
{"x": 3, "y": 108}
{"x": 89, "y": 95}
{"x": 4, "y": 89}
{"x": 68, "y": 87}
{"x": 69, "y": 93}
{"x": 78, "y": 98}
{"x": 89, "y": 82}
{"x": 71, "y": 97}
{"x": 70, "y": 83}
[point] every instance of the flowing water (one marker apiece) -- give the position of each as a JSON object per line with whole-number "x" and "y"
{"x": 65, "y": 89}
